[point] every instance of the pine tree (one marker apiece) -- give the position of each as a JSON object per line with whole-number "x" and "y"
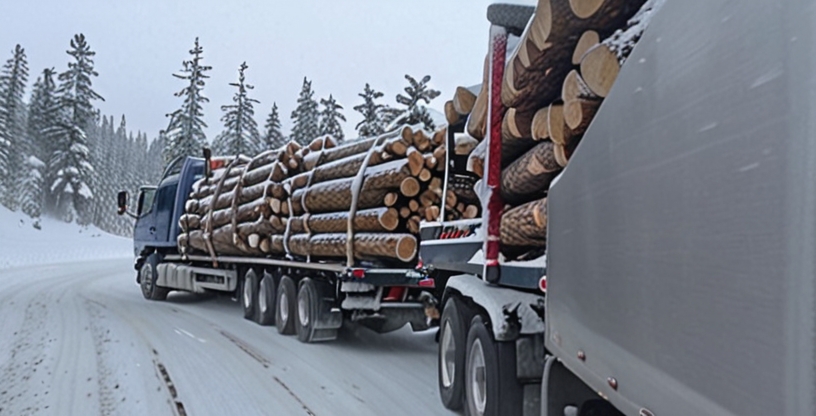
{"x": 372, "y": 124}
{"x": 330, "y": 118}
{"x": 305, "y": 116}
{"x": 240, "y": 134}
{"x": 42, "y": 98}
{"x": 415, "y": 112}
{"x": 273, "y": 138}
{"x": 13, "y": 146}
{"x": 185, "y": 132}
{"x": 70, "y": 167}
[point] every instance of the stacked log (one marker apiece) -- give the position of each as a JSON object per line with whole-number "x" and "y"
{"x": 300, "y": 201}
{"x": 554, "y": 83}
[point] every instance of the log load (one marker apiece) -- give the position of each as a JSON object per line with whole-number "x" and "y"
{"x": 538, "y": 66}
{"x": 600, "y": 64}
{"x": 476, "y": 125}
{"x": 529, "y": 177}
{"x": 524, "y": 228}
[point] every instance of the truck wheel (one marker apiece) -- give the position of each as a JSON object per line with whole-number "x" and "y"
{"x": 491, "y": 387}
{"x": 148, "y": 275}
{"x": 267, "y": 294}
{"x": 285, "y": 308}
{"x": 306, "y": 310}
{"x": 451, "y": 352}
{"x": 249, "y": 294}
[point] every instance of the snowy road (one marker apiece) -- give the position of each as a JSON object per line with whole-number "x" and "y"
{"x": 78, "y": 339}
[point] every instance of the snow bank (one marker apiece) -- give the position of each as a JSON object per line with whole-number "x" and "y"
{"x": 22, "y": 245}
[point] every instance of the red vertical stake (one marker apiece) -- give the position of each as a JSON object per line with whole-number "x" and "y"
{"x": 495, "y": 205}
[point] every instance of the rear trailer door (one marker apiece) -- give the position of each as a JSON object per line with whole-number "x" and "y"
{"x": 682, "y": 235}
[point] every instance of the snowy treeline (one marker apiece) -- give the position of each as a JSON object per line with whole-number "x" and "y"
{"x": 58, "y": 155}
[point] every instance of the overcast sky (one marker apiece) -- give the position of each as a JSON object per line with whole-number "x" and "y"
{"x": 338, "y": 44}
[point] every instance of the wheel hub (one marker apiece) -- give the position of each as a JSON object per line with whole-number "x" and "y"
{"x": 478, "y": 382}
{"x": 303, "y": 311}
{"x": 283, "y": 305}
{"x": 448, "y": 353}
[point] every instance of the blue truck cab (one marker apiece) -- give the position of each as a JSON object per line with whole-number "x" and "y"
{"x": 159, "y": 207}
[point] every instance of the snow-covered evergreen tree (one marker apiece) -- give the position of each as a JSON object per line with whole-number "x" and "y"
{"x": 13, "y": 146}
{"x": 330, "y": 118}
{"x": 240, "y": 134}
{"x": 305, "y": 116}
{"x": 273, "y": 137}
{"x": 414, "y": 112}
{"x": 185, "y": 132}
{"x": 71, "y": 172}
{"x": 372, "y": 124}
{"x": 43, "y": 98}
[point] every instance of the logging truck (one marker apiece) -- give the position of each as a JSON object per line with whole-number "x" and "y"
{"x": 664, "y": 266}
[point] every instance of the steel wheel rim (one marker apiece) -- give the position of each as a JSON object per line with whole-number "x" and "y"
{"x": 284, "y": 307}
{"x": 147, "y": 279}
{"x": 477, "y": 377}
{"x": 448, "y": 348}
{"x": 262, "y": 296}
{"x": 303, "y": 312}
{"x": 247, "y": 293}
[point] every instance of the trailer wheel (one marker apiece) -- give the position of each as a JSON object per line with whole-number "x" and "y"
{"x": 249, "y": 294}
{"x": 451, "y": 352}
{"x": 285, "y": 306}
{"x": 267, "y": 294}
{"x": 306, "y": 310}
{"x": 491, "y": 387}
{"x": 148, "y": 275}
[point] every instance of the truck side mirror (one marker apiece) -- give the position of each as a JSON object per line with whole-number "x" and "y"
{"x": 121, "y": 202}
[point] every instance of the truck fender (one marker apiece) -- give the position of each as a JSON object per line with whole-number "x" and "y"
{"x": 511, "y": 312}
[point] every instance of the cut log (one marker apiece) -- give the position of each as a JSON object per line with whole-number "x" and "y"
{"x": 413, "y": 205}
{"x": 409, "y": 187}
{"x": 391, "y": 199}
{"x": 463, "y": 100}
{"x": 439, "y": 137}
{"x": 537, "y": 68}
{"x": 347, "y": 149}
{"x": 416, "y": 161}
{"x": 579, "y": 113}
{"x": 464, "y": 144}
{"x": 559, "y": 132}
{"x": 367, "y": 220}
{"x": 540, "y": 128}
{"x": 601, "y": 64}
{"x": 529, "y": 177}
{"x": 476, "y": 161}
{"x": 560, "y": 155}
{"x": 432, "y": 213}
{"x": 525, "y": 225}
{"x": 413, "y": 224}
{"x": 477, "y": 120}
{"x": 402, "y": 247}
{"x": 451, "y": 116}
{"x": 424, "y": 175}
{"x": 429, "y": 198}
{"x": 471, "y": 211}
{"x": 587, "y": 40}
{"x": 249, "y": 212}
{"x": 421, "y": 140}
{"x": 404, "y": 212}
{"x": 516, "y": 135}
{"x": 430, "y": 161}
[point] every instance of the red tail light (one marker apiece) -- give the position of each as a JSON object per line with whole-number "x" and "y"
{"x": 542, "y": 284}
{"x": 358, "y": 273}
{"x": 429, "y": 282}
{"x": 216, "y": 164}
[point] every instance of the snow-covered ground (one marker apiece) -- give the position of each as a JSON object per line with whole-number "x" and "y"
{"x": 22, "y": 245}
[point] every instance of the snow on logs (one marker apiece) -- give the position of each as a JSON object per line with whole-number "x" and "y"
{"x": 300, "y": 200}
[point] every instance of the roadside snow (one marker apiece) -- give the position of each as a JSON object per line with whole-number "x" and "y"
{"x": 23, "y": 245}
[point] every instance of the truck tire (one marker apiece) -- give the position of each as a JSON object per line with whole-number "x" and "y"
{"x": 513, "y": 17}
{"x": 451, "y": 352}
{"x": 265, "y": 307}
{"x": 306, "y": 310}
{"x": 148, "y": 275}
{"x": 285, "y": 306}
{"x": 491, "y": 387}
{"x": 249, "y": 294}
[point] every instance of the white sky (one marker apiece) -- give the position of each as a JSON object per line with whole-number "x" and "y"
{"x": 339, "y": 44}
